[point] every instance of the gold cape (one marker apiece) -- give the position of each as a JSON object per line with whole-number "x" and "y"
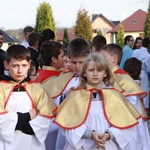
{"x": 39, "y": 98}
{"x": 131, "y": 88}
{"x": 118, "y": 111}
{"x": 59, "y": 84}
{"x": 128, "y": 84}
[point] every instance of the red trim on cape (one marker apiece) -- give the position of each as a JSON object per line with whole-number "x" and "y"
{"x": 103, "y": 107}
{"x": 90, "y": 100}
{"x": 64, "y": 87}
{"x": 121, "y": 71}
{"x": 4, "y": 81}
{"x": 31, "y": 81}
{"x": 46, "y": 116}
{"x": 104, "y": 110}
{"x": 136, "y": 94}
{"x": 3, "y": 113}
{"x": 9, "y": 96}
{"x": 145, "y": 118}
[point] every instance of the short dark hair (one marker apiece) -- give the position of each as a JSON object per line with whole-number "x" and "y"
{"x": 32, "y": 66}
{"x": 66, "y": 52}
{"x": 146, "y": 42}
{"x": 113, "y": 49}
{"x": 33, "y": 38}
{"x": 17, "y": 52}
{"x": 133, "y": 67}
{"x": 50, "y": 49}
{"x": 98, "y": 42}
{"x": 28, "y": 29}
{"x": 78, "y": 47}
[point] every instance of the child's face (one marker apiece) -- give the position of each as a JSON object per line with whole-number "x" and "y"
{"x": 18, "y": 69}
{"x": 76, "y": 64}
{"x": 138, "y": 44}
{"x": 112, "y": 62}
{"x": 94, "y": 77}
{"x": 66, "y": 64}
{"x": 130, "y": 43}
{"x": 58, "y": 63}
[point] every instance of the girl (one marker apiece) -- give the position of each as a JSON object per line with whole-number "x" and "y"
{"x": 133, "y": 67}
{"x": 137, "y": 43}
{"x": 91, "y": 117}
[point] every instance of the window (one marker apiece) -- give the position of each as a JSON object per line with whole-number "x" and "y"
{"x": 105, "y": 30}
{"x": 95, "y": 30}
{"x": 134, "y": 21}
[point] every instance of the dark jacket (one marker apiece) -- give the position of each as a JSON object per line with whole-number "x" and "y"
{"x": 2, "y": 58}
{"x": 34, "y": 56}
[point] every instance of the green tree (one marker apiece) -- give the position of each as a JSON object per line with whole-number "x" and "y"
{"x": 44, "y": 18}
{"x": 65, "y": 37}
{"x": 83, "y": 27}
{"x": 147, "y": 23}
{"x": 99, "y": 32}
{"x": 120, "y": 36}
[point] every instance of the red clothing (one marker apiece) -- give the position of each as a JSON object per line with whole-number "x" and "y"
{"x": 44, "y": 74}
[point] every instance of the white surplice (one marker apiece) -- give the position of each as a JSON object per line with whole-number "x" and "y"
{"x": 61, "y": 140}
{"x": 123, "y": 139}
{"x": 143, "y": 138}
{"x": 143, "y": 55}
{"x": 11, "y": 139}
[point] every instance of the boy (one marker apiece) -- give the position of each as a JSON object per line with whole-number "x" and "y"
{"x": 78, "y": 49}
{"x": 98, "y": 42}
{"x": 133, "y": 67}
{"x": 133, "y": 92}
{"x": 24, "y": 115}
{"x": 66, "y": 66}
{"x": 26, "y": 32}
{"x": 52, "y": 55}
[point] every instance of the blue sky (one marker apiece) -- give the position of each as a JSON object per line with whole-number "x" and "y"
{"x": 19, "y": 13}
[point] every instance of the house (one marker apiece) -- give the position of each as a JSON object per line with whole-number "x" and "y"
{"x": 133, "y": 25}
{"x": 60, "y": 36}
{"x": 100, "y": 22}
{"x": 8, "y": 40}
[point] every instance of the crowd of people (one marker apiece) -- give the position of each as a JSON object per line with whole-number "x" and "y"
{"x": 80, "y": 96}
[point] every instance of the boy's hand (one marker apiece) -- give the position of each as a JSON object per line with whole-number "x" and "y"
{"x": 69, "y": 91}
{"x": 33, "y": 113}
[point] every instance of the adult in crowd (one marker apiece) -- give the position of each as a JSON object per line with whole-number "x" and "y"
{"x": 2, "y": 55}
{"x": 46, "y": 35}
{"x": 26, "y": 32}
{"x": 127, "y": 50}
{"x": 143, "y": 55}
{"x": 33, "y": 40}
{"x": 137, "y": 43}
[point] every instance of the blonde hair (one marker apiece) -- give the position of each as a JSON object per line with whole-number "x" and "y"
{"x": 101, "y": 64}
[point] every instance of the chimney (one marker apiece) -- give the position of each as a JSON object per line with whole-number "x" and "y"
{"x": 93, "y": 16}
{"x": 123, "y": 15}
